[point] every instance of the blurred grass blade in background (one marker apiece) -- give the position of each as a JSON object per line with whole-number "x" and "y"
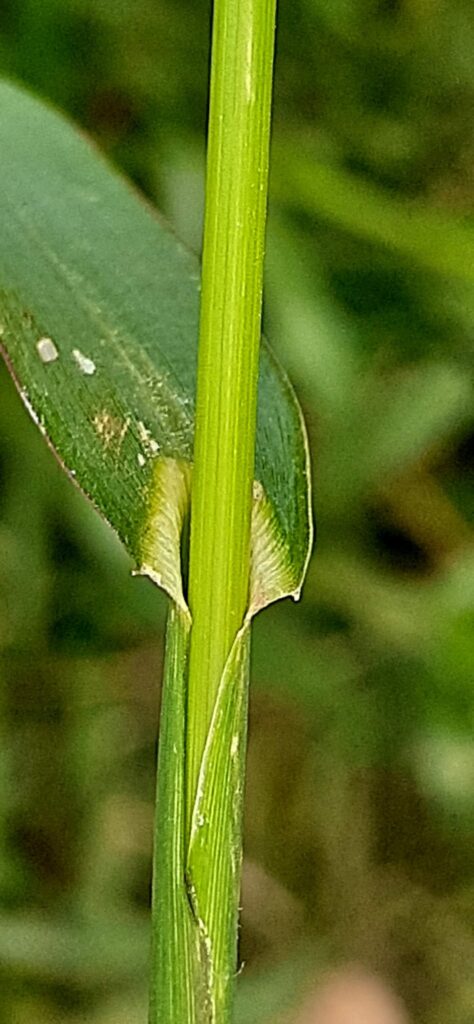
{"x": 427, "y": 237}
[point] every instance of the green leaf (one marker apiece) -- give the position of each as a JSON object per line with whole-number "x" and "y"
{"x": 99, "y": 325}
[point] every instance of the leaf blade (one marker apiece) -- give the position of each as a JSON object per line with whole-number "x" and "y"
{"x": 87, "y": 271}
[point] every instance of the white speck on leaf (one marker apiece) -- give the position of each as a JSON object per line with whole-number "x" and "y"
{"x": 234, "y": 747}
{"x": 85, "y": 364}
{"x": 141, "y": 460}
{"x": 47, "y": 350}
{"x": 147, "y": 439}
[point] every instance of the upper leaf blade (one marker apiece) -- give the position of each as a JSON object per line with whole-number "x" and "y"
{"x": 99, "y": 307}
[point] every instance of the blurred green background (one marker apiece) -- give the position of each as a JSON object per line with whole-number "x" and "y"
{"x": 359, "y": 814}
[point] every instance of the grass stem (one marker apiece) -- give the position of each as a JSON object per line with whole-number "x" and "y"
{"x": 234, "y": 232}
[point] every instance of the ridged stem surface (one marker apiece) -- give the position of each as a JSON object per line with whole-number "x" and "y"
{"x": 234, "y": 232}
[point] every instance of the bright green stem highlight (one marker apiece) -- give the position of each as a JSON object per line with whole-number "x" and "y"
{"x": 234, "y": 231}
{"x": 200, "y": 775}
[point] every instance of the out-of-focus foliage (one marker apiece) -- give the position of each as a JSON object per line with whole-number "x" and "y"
{"x": 360, "y": 770}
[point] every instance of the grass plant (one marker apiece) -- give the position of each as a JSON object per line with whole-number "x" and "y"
{"x": 100, "y": 315}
